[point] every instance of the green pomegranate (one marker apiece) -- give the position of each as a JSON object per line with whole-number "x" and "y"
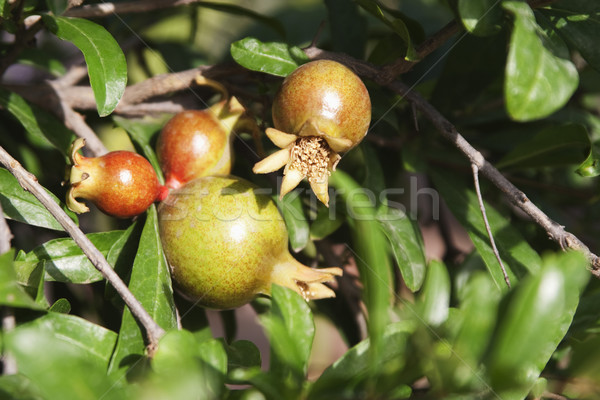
{"x": 322, "y": 109}
{"x": 226, "y": 243}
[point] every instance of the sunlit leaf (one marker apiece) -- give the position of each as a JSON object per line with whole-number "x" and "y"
{"x": 295, "y": 220}
{"x": 11, "y": 294}
{"x": 273, "y": 58}
{"x": 535, "y": 321}
{"x": 150, "y": 283}
{"x": 537, "y": 81}
{"x": 106, "y": 64}
{"x": 480, "y": 17}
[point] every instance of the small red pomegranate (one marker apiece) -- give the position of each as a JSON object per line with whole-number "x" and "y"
{"x": 120, "y": 183}
{"x": 322, "y": 109}
{"x": 197, "y": 143}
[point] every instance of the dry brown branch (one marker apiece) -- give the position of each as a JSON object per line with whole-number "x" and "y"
{"x": 29, "y": 183}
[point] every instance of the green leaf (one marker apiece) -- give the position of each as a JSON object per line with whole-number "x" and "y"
{"x": 291, "y": 329}
{"x": 141, "y": 132}
{"x": 345, "y": 378}
{"x": 537, "y": 82}
{"x": 518, "y": 257}
{"x": 325, "y": 223}
{"x": 106, "y": 64}
{"x": 535, "y": 321}
{"x": 435, "y": 297}
{"x": 271, "y": 22}
{"x": 150, "y": 283}
{"x": 590, "y": 167}
{"x": 342, "y": 14}
{"x": 44, "y": 60}
{"x": 480, "y": 18}
{"x": 242, "y": 354}
{"x": 65, "y": 261}
{"x": 407, "y": 245}
{"x": 18, "y": 386}
{"x": 40, "y": 124}
{"x": 11, "y": 294}
{"x": 395, "y": 24}
{"x": 94, "y": 343}
{"x": 578, "y": 22}
{"x": 57, "y": 6}
{"x": 183, "y": 368}
{"x": 63, "y": 364}
{"x": 61, "y": 306}
{"x": 273, "y": 58}
{"x": 370, "y": 250}
{"x": 552, "y": 146}
{"x": 22, "y": 206}
{"x": 295, "y": 220}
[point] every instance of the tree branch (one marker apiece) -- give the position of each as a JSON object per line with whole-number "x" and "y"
{"x": 29, "y": 183}
{"x": 104, "y": 9}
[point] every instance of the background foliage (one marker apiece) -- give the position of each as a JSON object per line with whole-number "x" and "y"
{"x": 520, "y": 81}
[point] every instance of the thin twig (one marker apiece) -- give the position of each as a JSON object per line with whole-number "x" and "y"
{"x": 29, "y": 183}
{"x": 487, "y": 224}
{"x": 104, "y": 9}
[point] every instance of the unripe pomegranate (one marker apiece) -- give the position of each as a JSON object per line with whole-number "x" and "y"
{"x": 226, "y": 244}
{"x": 322, "y": 109}
{"x": 120, "y": 183}
{"x": 197, "y": 143}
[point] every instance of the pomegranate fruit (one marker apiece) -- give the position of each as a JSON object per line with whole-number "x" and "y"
{"x": 226, "y": 244}
{"x": 321, "y": 109}
{"x": 196, "y": 143}
{"x": 120, "y": 183}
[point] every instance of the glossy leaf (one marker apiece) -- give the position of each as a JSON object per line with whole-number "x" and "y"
{"x": 480, "y": 18}
{"x": 395, "y": 24}
{"x": 578, "y": 22}
{"x": 150, "y": 283}
{"x": 537, "y": 82}
{"x": 22, "y": 206}
{"x": 435, "y": 296}
{"x": 37, "y": 122}
{"x": 535, "y": 321}
{"x": 552, "y": 146}
{"x": 106, "y": 64}
{"x": 273, "y": 58}
{"x": 94, "y": 343}
{"x": 295, "y": 220}
{"x": 518, "y": 257}
{"x": 183, "y": 367}
{"x": 346, "y": 377}
{"x": 369, "y": 247}
{"x": 11, "y": 294}
{"x": 141, "y": 132}
{"x": 291, "y": 329}
{"x": 234, "y": 9}
{"x": 407, "y": 245}
{"x": 61, "y": 306}
{"x": 65, "y": 261}
{"x": 61, "y": 367}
